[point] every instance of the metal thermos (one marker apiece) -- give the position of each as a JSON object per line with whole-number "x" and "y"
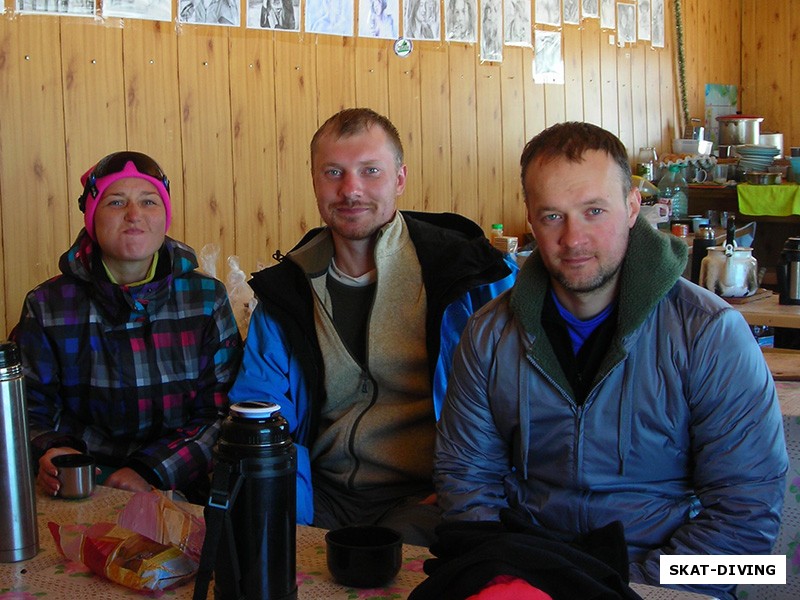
{"x": 788, "y": 271}
{"x": 19, "y": 531}
{"x": 259, "y": 562}
{"x": 703, "y": 240}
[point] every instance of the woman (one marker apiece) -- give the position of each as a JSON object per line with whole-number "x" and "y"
{"x": 129, "y": 352}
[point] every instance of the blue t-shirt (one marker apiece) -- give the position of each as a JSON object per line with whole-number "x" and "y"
{"x": 579, "y": 330}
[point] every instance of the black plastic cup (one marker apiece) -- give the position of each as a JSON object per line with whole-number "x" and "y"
{"x": 365, "y": 556}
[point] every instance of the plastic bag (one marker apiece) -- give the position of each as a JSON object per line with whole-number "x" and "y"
{"x": 156, "y": 516}
{"x": 208, "y": 257}
{"x": 155, "y": 544}
{"x": 240, "y": 294}
{"x": 124, "y": 556}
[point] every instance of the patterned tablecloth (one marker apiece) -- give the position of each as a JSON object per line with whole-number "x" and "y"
{"x": 50, "y": 575}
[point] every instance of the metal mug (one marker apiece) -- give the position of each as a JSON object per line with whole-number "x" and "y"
{"x": 75, "y": 475}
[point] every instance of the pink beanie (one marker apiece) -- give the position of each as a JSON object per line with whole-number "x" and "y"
{"x": 120, "y": 165}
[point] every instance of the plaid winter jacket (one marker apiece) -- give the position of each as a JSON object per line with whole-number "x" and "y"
{"x": 136, "y": 376}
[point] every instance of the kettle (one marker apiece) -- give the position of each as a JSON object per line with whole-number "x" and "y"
{"x": 730, "y": 272}
{"x": 788, "y": 271}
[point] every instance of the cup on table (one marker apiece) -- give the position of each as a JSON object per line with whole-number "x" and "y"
{"x": 720, "y": 173}
{"x": 700, "y": 175}
{"x": 364, "y": 556}
{"x": 75, "y": 475}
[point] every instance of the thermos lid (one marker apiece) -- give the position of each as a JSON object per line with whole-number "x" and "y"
{"x": 793, "y": 243}
{"x": 9, "y": 354}
{"x": 254, "y": 409}
{"x": 255, "y": 423}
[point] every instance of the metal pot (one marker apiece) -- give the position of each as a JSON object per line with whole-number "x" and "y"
{"x": 736, "y": 129}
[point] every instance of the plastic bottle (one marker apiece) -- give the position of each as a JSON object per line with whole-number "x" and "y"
{"x": 497, "y": 231}
{"x": 672, "y": 190}
{"x": 19, "y": 533}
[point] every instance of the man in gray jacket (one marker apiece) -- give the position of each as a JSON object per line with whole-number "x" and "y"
{"x": 604, "y": 387}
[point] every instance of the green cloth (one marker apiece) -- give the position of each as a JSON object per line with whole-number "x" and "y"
{"x": 773, "y": 200}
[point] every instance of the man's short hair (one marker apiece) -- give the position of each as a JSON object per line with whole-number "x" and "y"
{"x": 571, "y": 140}
{"x": 351, "y": 121}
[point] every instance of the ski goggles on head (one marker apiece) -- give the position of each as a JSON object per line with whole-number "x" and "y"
{"x": 118, "y": 164}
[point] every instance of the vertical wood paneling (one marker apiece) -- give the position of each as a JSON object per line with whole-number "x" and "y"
{"x": 405, "y": 111}
{"x": 573, "y": 73}
{"x": 91, "y": 71}
{"x": 206, "y": 136}
{"x": 591, "y": 79}
{"x": 638, "y": 97}
{"x": 625, "y": 98}
{"x": 296, "y": 120}
{"x": 33, "y": 169}
{"x": 608, "y": 85}
{"x": 372, "y": 74}
{"x": 434, "y": 143}
{"x": 336, "y": 74}
{"x": 153, "y": 106}
{"x": 490, "y": 141}
{"x": 255, "y": 172}
{"x": 513, "y": 73}
{"x": 464, "y": 131}
{"x": 229, "y": 113}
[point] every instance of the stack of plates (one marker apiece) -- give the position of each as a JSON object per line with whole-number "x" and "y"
{"x": 754, "y": 157}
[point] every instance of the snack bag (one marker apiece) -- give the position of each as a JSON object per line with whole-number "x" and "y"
{"x": 156, "y": 516}
{"x": 123, "y": 556}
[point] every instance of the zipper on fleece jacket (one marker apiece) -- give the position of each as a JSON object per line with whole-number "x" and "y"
{"x": 366, "y": 378}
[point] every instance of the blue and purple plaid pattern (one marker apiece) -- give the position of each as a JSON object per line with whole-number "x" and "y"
{"x": 140, "y": 375}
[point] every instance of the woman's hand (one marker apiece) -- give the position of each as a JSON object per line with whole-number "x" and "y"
{"x": 128, "y": 479}
{"x": 48, "y": 474}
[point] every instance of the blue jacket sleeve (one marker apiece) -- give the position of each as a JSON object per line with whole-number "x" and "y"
{"x": 269, "y": 372}
{"x": 454, "y": 320}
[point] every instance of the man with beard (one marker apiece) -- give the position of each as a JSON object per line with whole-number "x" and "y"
{"x": 354, "y": 332}
{"x": 606, "y": 388}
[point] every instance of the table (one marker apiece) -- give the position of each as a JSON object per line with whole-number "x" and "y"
{"x": 49, "y": 575}
{"x": 767, "y": 311}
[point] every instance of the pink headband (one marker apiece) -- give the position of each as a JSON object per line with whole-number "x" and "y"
{"x": 130, "y": 171}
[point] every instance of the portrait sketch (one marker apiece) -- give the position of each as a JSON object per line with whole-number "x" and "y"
{"x": 643, "y": 14}
{"x": 517, "y": 23}
{"x": 626, "y": 23}
{"x": 333, "y": 17}
{"x": 73, "y": 8}
{"x": 608, "y": 14}
{"x": 658, "y": 23}
{"x": 548, "y": 12}
{"x": 151, "y": 10}
{"x": 460, "y": 24}
{"x": 572, "y": 12}
{"x": 422, "y": 20}
{"x": 378, "y": 19}
{"x": 273, "y": 14}
{"x": 491, "y": 30}
{"x": 209, "y": 12}
{"x": 548, "y": 66}
{"x": 590, "y": 9}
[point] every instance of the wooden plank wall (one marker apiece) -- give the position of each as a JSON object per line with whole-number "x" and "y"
{"x": 229, "y": 112}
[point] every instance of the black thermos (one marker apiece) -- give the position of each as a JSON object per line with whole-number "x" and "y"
{"x": 703, "y": 240}
{"x": 256, "y": 552}
{"x": 788, "y": 271}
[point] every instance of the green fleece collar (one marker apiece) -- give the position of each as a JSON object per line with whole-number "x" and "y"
{"x": 653, "y": 263}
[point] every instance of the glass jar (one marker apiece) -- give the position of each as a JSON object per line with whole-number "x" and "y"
{"x": 646, "y": 163}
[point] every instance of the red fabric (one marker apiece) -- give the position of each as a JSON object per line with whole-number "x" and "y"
{"x": 506, "y": 587}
